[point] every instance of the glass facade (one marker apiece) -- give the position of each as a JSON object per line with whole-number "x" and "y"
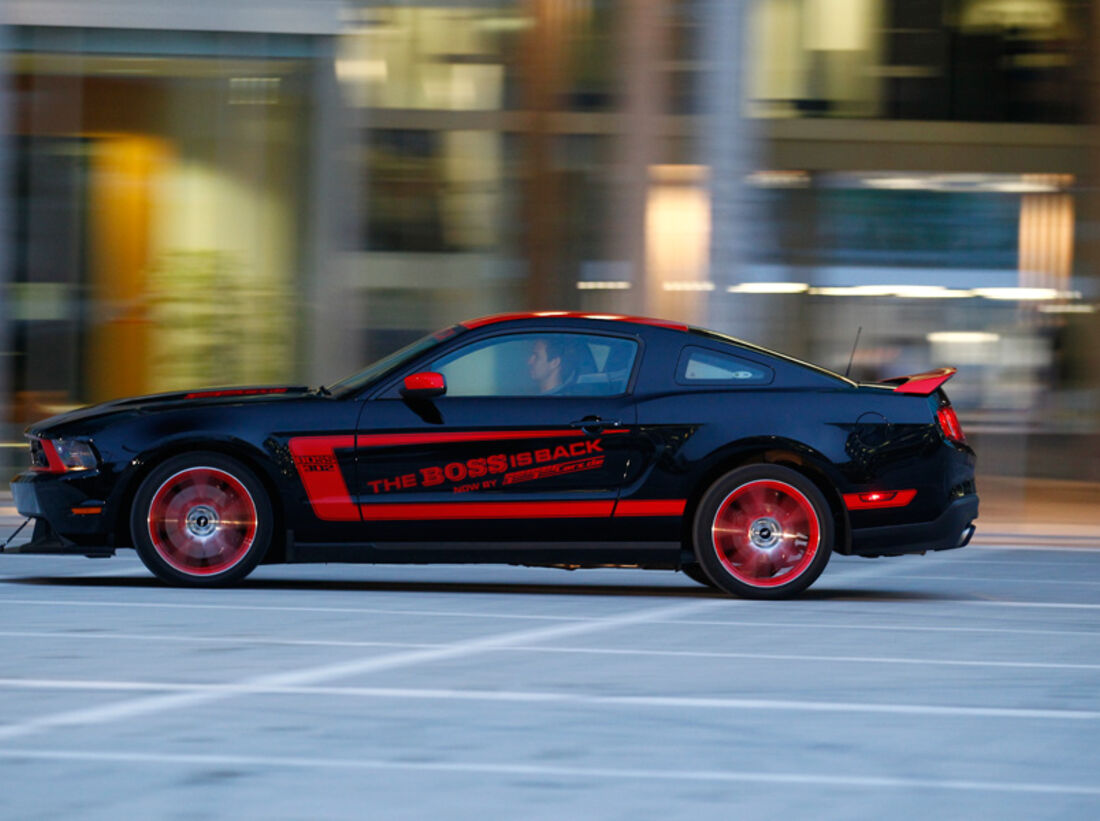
{"x": 157, "y": 215}
{"x": 961, "y": 60}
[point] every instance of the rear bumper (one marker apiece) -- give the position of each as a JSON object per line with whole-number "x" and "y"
{"x": 951, "y": 529}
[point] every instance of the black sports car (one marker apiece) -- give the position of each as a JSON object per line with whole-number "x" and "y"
{"x": 550, "y": 438}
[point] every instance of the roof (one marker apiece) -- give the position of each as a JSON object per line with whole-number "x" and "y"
{"x": 470, "y": 324}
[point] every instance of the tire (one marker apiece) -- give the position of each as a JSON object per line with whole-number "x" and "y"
{"x": 201, "y": 520}
{"x": 763, "y": 532}
{"x": 696, "y": 574}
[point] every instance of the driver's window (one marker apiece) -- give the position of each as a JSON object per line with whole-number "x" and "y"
{"x": 540, "y": 364}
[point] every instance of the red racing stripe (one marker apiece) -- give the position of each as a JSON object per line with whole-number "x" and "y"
{"x": 439, "y": 511}
{"x": 315, "y": 459}
{"x": 471, "y": 324}
{"x": 651, "y": 507}
{"x": 381, "y": 440}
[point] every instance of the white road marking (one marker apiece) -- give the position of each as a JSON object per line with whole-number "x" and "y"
{"x": 316, "y": 675}
{"x": 267, "y": 608}
{"x": 204, "y": 693}
{"x": 587, "y": 773}
{"x": 912, "y": 628}
{"x": 601, "y": 651}
{"x": 726, "y": 602}
{"x": 815, "y": 624}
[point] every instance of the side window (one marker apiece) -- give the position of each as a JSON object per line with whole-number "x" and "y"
{"x": 540, "y": 364}
{"x": 699, "y": 366}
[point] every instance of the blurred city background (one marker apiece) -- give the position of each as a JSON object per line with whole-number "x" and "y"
{"x": 271, "y": 191}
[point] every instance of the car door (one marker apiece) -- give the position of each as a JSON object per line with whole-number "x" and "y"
{"x": 533, "y": 440}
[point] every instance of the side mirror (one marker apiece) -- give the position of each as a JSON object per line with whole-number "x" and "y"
{"x": 423, "y": 385}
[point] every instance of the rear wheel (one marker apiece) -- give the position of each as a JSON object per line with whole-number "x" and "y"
{"x": 763, "y": 532}
{"x": 202, "y": 520}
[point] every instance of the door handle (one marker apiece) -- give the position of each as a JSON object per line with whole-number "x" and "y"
{"x": 594, "y": 424}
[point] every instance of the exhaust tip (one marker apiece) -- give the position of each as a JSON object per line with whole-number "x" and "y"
{"x": 967, "y": 535}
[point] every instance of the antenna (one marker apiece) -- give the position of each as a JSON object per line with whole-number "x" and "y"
{"x": 848, "y": 370}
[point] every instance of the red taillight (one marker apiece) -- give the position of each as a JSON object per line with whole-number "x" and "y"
{"x": 949, "y": 424}
{"x": 875, "y": 499}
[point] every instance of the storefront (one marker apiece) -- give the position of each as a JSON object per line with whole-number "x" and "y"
{"x": 162, "y": 183}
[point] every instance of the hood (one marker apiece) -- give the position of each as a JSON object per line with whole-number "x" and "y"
{"x": 175, "y": 399}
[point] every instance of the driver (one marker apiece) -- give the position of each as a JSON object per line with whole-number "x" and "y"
{"x": 552, "y": 364}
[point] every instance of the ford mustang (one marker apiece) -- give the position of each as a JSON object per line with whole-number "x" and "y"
{"x": 553, "y": 439}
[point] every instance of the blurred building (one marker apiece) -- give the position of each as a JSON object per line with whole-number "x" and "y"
{"x": 267, "y": 190}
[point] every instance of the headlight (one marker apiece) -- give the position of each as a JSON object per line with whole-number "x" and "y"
{"x": 62, "y": 455}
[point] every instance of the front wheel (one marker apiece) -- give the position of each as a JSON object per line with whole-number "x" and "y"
{"x": 201, "y": 520}
{"x": 763, "y": 532}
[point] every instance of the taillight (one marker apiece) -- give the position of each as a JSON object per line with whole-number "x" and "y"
{"x": 949, "y": 424}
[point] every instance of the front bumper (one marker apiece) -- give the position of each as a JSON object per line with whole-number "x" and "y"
{"x": 60, "y": 505}
{"x": 952, "y": 528}
{"x": 45, "y": 542}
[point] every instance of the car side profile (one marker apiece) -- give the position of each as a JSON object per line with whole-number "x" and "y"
{"x": 551, "y": 438}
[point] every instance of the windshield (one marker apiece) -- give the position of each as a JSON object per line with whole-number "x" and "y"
{"x": 387, "y": 364}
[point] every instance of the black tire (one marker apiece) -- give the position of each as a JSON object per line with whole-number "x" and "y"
{"x": 696, "y": 574}
{"x": 763, "y": 532}
{"x": 201, "y": 520}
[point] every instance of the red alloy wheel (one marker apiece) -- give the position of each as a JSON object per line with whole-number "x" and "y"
{"x": 766, "y": 533}
{"x": 202, "y": 521}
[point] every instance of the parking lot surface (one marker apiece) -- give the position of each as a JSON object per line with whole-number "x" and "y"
{"x": 951, "y": 686}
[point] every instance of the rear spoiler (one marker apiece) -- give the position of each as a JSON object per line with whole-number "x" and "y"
{"x": 922, "y": 384}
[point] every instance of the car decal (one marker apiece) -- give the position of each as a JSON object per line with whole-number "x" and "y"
{"x": 470, "y": 472}
{"x": 600, "y": 508}
{"x": 220, "y": 394}
{"x": 315, "y": 459}
{"x": 327, "y": 491}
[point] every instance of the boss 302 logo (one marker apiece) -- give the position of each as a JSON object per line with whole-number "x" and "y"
{"x": 315, "y": 462}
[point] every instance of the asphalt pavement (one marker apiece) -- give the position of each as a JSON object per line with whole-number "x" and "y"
{"x": 954, "y": 685}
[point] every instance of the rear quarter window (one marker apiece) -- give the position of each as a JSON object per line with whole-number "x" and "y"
{"x": 701, "y": 366}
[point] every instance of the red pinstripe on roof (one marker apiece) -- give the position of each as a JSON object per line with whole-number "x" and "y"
{"x": 470, "y": 324}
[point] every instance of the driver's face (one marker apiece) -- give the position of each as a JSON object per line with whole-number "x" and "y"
{"x": 538, "y": 366}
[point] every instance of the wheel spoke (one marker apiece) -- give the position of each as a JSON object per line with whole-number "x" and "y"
{"x": 757, "y": 502}
{"x": 756, "y": 564}
{"x": 733, "y": 520}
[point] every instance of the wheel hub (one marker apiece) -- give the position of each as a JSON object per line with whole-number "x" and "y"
{"x": 202, "y": 521}
{"x": 765, "y": 533}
